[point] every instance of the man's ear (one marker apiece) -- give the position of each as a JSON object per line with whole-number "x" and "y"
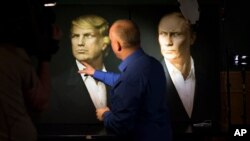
{"x": 119, "y": 47}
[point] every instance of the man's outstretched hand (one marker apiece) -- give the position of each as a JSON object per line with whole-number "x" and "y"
{"x": 88, "y": 70}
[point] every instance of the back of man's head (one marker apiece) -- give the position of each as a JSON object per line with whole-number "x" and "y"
{"x": 128, "y": 32}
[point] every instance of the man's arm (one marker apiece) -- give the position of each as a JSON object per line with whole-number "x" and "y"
{"x": 108, "y": 78}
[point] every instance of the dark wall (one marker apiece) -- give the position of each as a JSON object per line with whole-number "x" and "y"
{"x": 235, "y": 31}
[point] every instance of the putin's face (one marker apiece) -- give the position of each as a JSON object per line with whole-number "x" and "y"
{"x": 174, "y": 37}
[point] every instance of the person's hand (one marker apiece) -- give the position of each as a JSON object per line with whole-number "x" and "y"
{"x": 89, "y": 70}
{"x": 100, "y": 112}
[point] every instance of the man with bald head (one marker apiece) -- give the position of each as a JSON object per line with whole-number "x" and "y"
{"x": 138, "y": 107}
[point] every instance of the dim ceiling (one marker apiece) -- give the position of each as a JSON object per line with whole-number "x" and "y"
{"x": 126, "y": 2}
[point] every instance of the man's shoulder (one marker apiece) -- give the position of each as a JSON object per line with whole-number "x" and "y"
{"x": 146, "y": 64}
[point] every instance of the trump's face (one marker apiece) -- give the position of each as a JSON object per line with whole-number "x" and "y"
{"x": 174, "y": 37}
{"x": 87, "y": 44}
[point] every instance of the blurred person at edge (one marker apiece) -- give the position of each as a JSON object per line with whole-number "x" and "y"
{"x": 24, "y": 88}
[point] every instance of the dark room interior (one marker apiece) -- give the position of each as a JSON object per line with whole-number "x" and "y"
{"x": 222, "y": 46}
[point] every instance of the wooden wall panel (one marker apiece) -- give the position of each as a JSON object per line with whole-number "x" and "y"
{"x": 236, "y": 95}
